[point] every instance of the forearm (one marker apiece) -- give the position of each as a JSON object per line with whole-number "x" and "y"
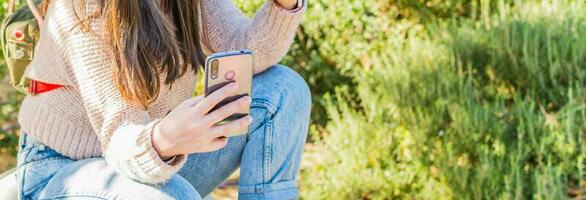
{"x": 269, "y": 34}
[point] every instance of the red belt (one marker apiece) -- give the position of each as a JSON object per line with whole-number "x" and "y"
{"x": 37, "y": 87}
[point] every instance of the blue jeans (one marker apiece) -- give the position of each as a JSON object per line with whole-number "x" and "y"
{"x": 268, "y": 156}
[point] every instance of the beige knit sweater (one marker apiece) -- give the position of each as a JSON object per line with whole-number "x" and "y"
{"x": 88, "y": 117}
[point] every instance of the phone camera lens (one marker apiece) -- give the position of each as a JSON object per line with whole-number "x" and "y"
{"x": 214, "y": 70}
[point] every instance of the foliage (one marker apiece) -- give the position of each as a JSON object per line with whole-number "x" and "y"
{"x": 337, "y": 37}
{"x": 433, "y": 99}
{"x": 480, "y": 108}
{"x": 9, "y": 106}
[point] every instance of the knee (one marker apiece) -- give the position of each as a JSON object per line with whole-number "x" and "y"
{"x": 178, "y": 188}
{"x": 294, "y": 89}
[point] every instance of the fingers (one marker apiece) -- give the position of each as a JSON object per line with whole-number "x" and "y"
{"x": 227, "y": 110}
{"x": 207, "y": 103}
{"x": 236, "y": 126}
{"x": 218, "y": 143}
{"x": 193, "y": 101}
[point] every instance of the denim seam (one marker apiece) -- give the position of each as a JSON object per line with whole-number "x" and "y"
{"x": 263, "y": 103}
{"x": 68, "y": 196}
{"x": 40, "y": 184}
{"x": 289, "y": 188}
{"x": 44, "y": 160}
{"x": 21, "y": 182}
{"x": 99, "y": 195}
{"x": 22, "y": 141}
{"x": 25, "y": 167}
{"x": 23, "y": 154}
{"x": 30, "y": 145}
{"x": 267, "y": 148}
{"x": 288, "y": 193}
{"x": 280, "y": 181}
{"x": 29, "y": 148}
{"x": 263, "y": 187}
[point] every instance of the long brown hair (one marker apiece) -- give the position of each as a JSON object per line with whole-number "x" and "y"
{"x": 148, "y": 37}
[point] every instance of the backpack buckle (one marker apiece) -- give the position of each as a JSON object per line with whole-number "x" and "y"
{"x": 32, "y": 88}
{"x": 37, "y": 87}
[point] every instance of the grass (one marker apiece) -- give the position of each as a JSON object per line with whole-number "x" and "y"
{"x": 491, "y": 107}
{"x": 456, "y": 99}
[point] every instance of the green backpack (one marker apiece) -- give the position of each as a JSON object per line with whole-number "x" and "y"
{"x": 19, "y": 36}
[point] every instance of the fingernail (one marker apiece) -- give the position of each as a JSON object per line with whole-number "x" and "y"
{"x": 249, "y": 119}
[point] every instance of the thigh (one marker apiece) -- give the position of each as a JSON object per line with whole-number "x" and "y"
{"x": 37, "y": 164}
{"x": 95, "y": 179}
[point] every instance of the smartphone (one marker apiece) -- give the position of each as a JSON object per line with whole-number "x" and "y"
{"x": 227, "y": 67}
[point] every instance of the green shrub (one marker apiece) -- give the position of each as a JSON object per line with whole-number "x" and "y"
{"x": 338, "y": 37}
{"x": 492, "y": 108}
{"x": 431, "y": 99}
{"x": 9, "y": 106}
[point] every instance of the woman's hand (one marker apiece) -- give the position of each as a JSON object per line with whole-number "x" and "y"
{"x": 287, "y": 4}
{"x": 189, "y": 128}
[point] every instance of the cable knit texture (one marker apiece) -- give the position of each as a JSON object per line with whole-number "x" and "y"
{"x": 88, "y": 117}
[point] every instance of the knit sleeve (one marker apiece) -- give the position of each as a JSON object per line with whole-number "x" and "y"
{"x": 124, "y": 129}
{"x": 269, "y": 34}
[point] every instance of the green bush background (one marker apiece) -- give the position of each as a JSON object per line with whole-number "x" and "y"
{"x": 433, "y": 99}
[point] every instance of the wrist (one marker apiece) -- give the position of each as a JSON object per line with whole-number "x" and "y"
{"x": 156, "y": 140}
{"x": 170, "y": 160}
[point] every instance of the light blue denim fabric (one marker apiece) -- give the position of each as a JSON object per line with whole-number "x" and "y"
{"x": 269, "y": 156}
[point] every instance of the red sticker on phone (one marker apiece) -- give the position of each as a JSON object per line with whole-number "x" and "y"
{"x": 230, "y": 75}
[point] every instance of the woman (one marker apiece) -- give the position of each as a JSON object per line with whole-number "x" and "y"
{"x": 125, "y": 124}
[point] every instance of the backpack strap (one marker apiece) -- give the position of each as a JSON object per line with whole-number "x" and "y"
{"x": 32, "y": 7}
{"x": 35, "y": 11}
{"x": 11, "y": 6}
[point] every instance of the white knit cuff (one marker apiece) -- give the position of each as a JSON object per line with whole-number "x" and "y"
{"x": 148, "y": 159}
{"x": 135, "y": 156}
